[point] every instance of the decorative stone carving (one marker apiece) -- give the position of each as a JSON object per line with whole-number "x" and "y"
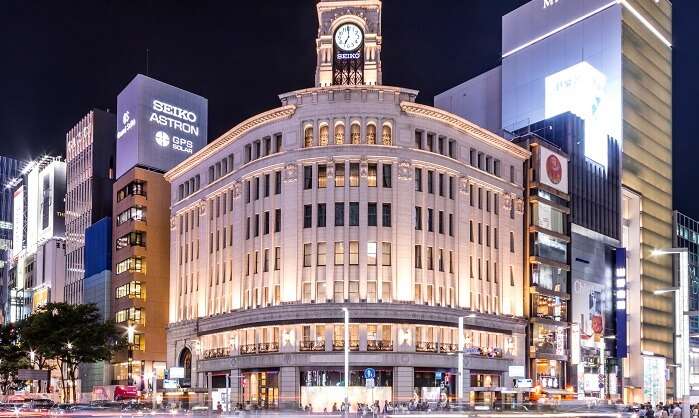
{"x": 330, "y": 170}
{"x": 173, "y": 224}
{"x": 236, "y": 189}
{"x": 463, "y": 185}
{"x": 507, "y": 202}
{"x": 520, "y": 205}
{"x": 202, "y": 207}
{"x": 290, "y": 173}
{"x": 404, "y": 171}
{"x": 363, "y": 168}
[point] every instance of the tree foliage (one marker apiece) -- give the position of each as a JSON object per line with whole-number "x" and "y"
{"x": 12, "y": 358}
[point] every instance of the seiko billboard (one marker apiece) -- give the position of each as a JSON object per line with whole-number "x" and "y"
{"x": 158, "y": 125}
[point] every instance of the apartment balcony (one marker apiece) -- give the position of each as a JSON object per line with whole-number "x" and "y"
{"x": 216, "y": 353}
{"x": 259, "y": 348}
{"x": 448, "y": 348}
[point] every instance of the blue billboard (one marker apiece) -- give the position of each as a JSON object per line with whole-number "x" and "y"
{"x": 158, "y": 125}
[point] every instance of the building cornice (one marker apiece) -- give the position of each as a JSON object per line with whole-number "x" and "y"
{"x": 461, "y": 124}
{"x": 227, "y": 138}
{"x": 341, "y": 88}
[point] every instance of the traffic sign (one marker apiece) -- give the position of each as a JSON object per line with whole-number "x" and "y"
{"x": 369, "y": 373}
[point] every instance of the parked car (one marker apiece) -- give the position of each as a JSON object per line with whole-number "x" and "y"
{"x": 122, "y": 393}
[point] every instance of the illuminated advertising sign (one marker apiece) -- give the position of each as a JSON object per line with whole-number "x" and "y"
{"x": 553, "y": 169}
{"x": 158, "y": 125}
{"x": 17, "y": 220}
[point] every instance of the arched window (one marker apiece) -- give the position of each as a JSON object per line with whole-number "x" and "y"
{"x": 323, "y": 140}
{"x": 355, "y": 133}
{"x": 371, "y": 134}
{"x": 386, "y": 135}
{"x": 340, "y": 134}
{"x": 308, "y": 137}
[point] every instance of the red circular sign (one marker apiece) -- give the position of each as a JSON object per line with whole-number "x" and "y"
{"x": 554, "y": 169}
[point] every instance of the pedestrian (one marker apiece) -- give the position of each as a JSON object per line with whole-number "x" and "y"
{"x": 219, "y": 409}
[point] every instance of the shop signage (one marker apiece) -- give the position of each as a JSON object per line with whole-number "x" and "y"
{"x": 176, "y": 372}
{"x": 170, "y": 384}
{"x": 524, "y": 383}
{"x": 516, "y": 371}
{"x": 32, "y": 374}
{"x": 553, "y": 170}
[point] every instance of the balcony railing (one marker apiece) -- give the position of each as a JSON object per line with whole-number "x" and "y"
{"x": 482, "y": 352}
{"x": 339, "y": 345}
{"x": 372, "y": 345}
{"x": 312, "y": 346}
{"x": 425, "y": 347}
{"x": 248, "y": 349}
{"x": 272, "y": 347}
{"x": 216, "y": 353}
{"x": 448, "y": 348}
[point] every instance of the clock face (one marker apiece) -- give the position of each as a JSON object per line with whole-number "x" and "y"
{"x": 348, "y": 37}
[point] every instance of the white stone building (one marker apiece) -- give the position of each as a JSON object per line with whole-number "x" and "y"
{"x": 348, "y": 195}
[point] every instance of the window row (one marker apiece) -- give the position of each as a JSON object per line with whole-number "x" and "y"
{"x": 134, "y": 213}
{"x": 221, "y": 168}
{"x": 492, "y": 200}
{"x": 496, "y": 238}
{"x": 340, "y": 254}
{"x": 189, "y": 220}
{"x": 481, "y": 269}
{"x": 132, "y": 290}
{"x": 445, "y": 183}
{"x": 430, "y": 221}
{"x": 372, "y": 175}
{"x": 135, "y": 188}
{"x": 263, "y": 147}
{"x": 444, "y": 259}
{"x": 132, "y": 239}
{"x": 131, "y": 315}
{"x": 131, "y": 265}
{"x": 190, "y": 186}
{"x": 486, "y": 163}
{"x": 252, "y": 261}
{"x": 260, "y": 186}
{"x": 353, "y": 218}
{"x": 260, "y": 223}
{"x": 339, "y": 134}
{"x": 443, "y": 145}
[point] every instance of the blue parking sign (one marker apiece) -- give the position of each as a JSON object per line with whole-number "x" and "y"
{"x": 369, "y": 373}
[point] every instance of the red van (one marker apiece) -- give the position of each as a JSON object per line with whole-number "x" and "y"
{"x": 122, "y": 393}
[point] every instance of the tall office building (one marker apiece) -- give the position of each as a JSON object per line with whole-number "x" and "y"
{"x": 160, "y": 125}
{"x": 9, "y": 173}
{"x": 90, "y": 148}
{"x": 609, "y": 63}
{"x": 36, "y": 270}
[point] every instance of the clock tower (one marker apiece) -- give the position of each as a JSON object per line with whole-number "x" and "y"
{"x": 349, "y": 42}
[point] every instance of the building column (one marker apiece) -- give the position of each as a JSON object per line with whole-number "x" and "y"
{"x": 208, "y": 387}
{"x": 289, "y": 391}
{"x": 403, "y": 384}
{"x": 234, "y": 379}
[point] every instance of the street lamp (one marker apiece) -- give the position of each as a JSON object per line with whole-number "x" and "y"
{"x": 130, "y": 337}
{"x": 681, "y": 324}
{"x": 347, "y": 343}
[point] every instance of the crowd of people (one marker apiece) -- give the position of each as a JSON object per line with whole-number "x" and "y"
{"x": 387, "y": 407}
{"x": 667, "y": 410}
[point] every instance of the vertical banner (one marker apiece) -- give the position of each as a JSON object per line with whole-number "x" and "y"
{"x": 620, "y": 301}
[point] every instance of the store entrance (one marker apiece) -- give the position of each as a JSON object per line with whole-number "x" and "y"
{"x": 260, "y": 389}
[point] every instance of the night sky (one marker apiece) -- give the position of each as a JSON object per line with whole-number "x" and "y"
{"x": 59, "y": 59}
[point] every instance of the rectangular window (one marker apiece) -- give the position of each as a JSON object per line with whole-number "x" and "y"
{"x": 371, "y": 175}
{"x": 487, "y": 235}
{"x": 307, "y": 254}
{"x": 451, "y": 187}
{"x": 418, "y": 218}
{"x": 339, "y": 174}
{"x": 470, "y": 194}
{"x": 247, "y": 228}
{"x": 339, "y": 292}
{"x": 134, "y": 213}
{"x": 386, "y": 253}
{"x": 512, "y": 242}
{"x": 354, "y": 214}
{"x": 266, "y": 185}
{"x": 371, "y": 249}
{"x": 451, "y": 224}
{"x": 440, "y": 145}
{"x": 277, "y": 182}
{"x": 307, "y": 177}
{"x": 430, "y": 181}
{"x": 480, "y": 198}
{"x": 495, "y": 203}
{"x": 487, "y": 201}
{"x": 307, "y": 216}
{"x": 480, "y": 233}
{"x": 495, "y": 238}
{"x": 256, "y": 188}
{"x": 387, "y": 176}
{"x": 512, "y": 174}
{"x": 256, "y": 226}
{"x": 430, "y": 220}
{"x": 386, "y": 214}
{"x": 354, "y": 174}
{"x": 470, "y": 231}
{"x": 440, "y": 222}
{"x": 430, "y": 142}
{"x": 277, "y": 257}
{"x": 418, "y": 256}
{"x": 418, "y": 139}
{"x": 441, "y": 184}
{"x": 418, "y": 179}
{"x": 354, "y": 252}
{"x": 265, "y": 261}
{"x": 371, "y": 214}
{"x": 430, "y": 258}
{"x": 339, "y": 213}
{"x": 472, "y": 157}
{"x": 277, "y": 220}
{"x": 322, "y": 176}
{"x": 266, "y": 223}
{"x": 135, "y": 188}
{"x": 277, "y": 143}
{"x": 322, "y": 253}
{"x": 321, "y": 215}
{"x": 339, "y": 253}
{"x": 131, "y": 265}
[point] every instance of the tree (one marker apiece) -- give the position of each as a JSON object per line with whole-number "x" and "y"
{"x": 70, "y": 335}
{"x": 12, "y": 358}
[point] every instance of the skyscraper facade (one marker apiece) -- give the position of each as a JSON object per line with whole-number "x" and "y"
{"x": 9, "y": 171}
{"x": 90, "y": 150}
